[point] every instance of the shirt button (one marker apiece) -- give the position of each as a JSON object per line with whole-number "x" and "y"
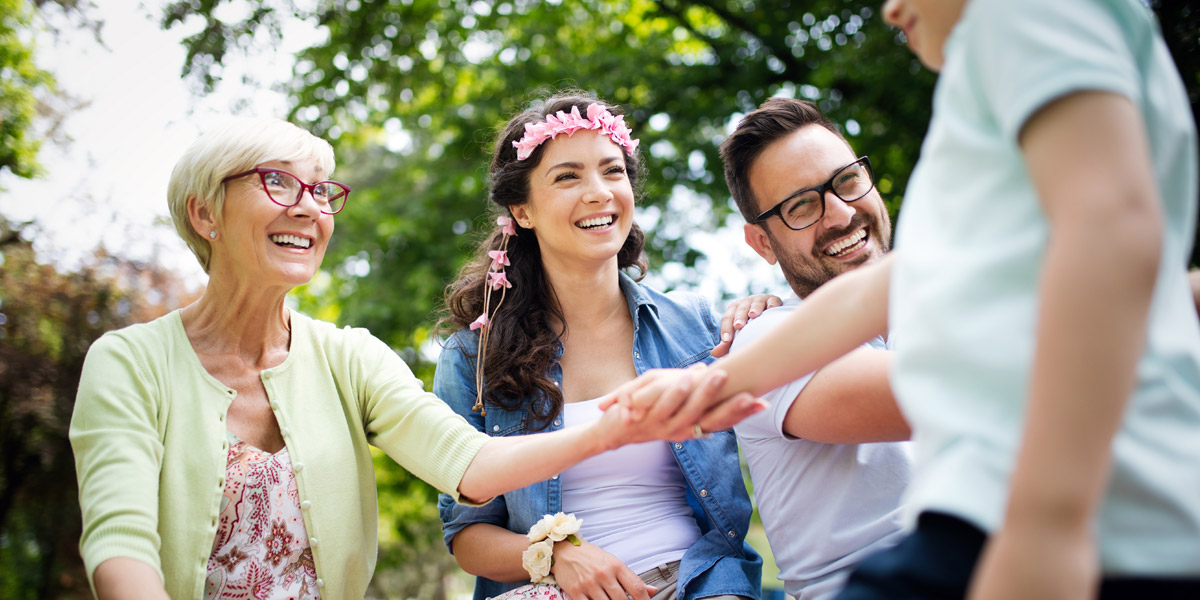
{"x": 495, "y": 428}
{"x": 703, "y": 493}
{"x": 637, "y": 354}
{"x": 298, "y": 467}
{"x": 732, "y": 534}
{"x": 312, "y": 542}
{"x": 678, "y": 446}
{"x": 305, "y": 505}
{"x": 557, "y": 423}
{"x": 556, "y": 384}
{"x": 555, "y": 477}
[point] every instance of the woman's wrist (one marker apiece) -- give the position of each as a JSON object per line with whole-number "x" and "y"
{"x": 539, "y": 557}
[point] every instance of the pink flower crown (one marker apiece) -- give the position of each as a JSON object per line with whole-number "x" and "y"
{"x": 495, "y": 280}
{"x": 598, "y": 118}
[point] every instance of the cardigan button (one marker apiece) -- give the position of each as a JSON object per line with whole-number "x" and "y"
{"x": 286, "y": 432}
{"x": 312, "y": 542}
{"x": 298, "y": 467}
{"x": 320, "y": 583}
{"x": 305, "y": 505}
{"x": 274, "y": 406}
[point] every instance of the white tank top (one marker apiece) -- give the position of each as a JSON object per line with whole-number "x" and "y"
{"x": 633, "y": 500}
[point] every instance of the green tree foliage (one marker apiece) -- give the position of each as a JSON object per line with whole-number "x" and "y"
{"x": 20, "y": 83}
{"x": 48, "y": 319}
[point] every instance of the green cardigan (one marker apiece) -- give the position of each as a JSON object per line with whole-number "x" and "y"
{"x": 148, "y": 433}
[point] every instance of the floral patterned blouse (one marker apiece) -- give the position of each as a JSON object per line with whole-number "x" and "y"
{"x": 261, "y": 548}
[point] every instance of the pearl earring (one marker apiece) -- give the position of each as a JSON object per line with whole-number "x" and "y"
{"x": 212, "y": 235}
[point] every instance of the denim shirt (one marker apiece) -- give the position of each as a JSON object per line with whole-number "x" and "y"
{"x": 669, "y": 330}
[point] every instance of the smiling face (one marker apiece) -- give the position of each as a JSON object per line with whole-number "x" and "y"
{"x": 849, "y": 235}
{"x": 926, "y": 25}
{"x": 580, "y": 203}
{"x": 263, "y": 243}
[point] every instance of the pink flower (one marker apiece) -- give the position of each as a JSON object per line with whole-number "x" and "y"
{"x": 499, "y": 258}
{"x": 506, "y": 226}
{"x": 482, "y": 321}
{"x": 498, "y": 279}
{"x": 598, "y": 118}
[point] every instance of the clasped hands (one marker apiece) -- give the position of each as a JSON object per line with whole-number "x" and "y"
{"x": 680, "y": 404}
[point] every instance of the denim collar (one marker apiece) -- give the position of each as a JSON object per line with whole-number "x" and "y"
{"x": 635, "y": 297}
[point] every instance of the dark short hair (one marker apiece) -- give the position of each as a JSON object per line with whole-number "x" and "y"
{"x": 773, "y": 120}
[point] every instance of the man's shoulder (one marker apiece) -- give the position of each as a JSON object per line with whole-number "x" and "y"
{"x": 764, "y": 323}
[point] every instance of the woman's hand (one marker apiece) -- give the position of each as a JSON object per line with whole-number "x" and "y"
{"x": 669, "y": 404}
{"x": 738, "y": 314}
{"x": 586, "y": 572}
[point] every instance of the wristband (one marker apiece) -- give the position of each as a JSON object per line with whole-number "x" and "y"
{"x": 539, "y": 557}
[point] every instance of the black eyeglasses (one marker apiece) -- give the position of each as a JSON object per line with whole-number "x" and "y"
{"x": 286, "y": 189}
{"x": 807, "y": 206}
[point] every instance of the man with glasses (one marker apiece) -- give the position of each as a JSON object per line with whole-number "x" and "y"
{"x": 827, "y": 494}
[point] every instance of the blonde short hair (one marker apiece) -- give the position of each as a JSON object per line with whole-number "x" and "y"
{"x": 236, "y": 146}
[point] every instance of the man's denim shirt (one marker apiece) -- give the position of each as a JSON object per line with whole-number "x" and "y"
{"x": 670, "y": 330}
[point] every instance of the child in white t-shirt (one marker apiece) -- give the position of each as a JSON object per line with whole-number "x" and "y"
{"x": 1050, "y": 364}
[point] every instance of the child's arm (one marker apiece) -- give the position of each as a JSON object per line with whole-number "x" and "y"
{"x": 848, "y": 401}
{"x": 840, "y": 316}
{"x": 1090, "y": 162}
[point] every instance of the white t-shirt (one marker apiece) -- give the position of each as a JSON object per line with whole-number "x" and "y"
{"x": 970, "y": 245}
{"x": 633, "y": 500}
{"x": 825, "y": 507}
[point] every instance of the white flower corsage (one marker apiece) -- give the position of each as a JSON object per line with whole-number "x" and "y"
{"x": 538, "y": 558}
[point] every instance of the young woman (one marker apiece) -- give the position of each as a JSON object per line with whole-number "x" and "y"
{"x": 659, "y": 519}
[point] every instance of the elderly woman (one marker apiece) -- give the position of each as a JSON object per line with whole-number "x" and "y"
{"x": 222, "y": 450}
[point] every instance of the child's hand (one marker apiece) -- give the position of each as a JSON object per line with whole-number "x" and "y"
{"x": 673, "y": 405}
{"x": 650, "y": 389}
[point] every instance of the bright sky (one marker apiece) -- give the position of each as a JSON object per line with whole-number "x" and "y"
{"x": 108, "y": 187}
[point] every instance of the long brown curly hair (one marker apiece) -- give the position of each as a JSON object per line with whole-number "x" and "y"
{"x": 522, "y": 345}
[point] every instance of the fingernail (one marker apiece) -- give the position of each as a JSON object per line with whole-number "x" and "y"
{"x": 754, "y": 313}
{"x": 737, "y": 323}
{"x": 725, "y": 337}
